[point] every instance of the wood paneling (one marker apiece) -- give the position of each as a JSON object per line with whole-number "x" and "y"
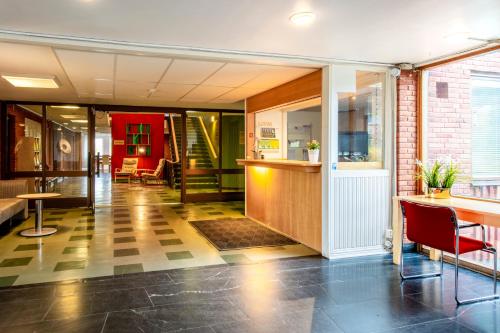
{"x": 287, "y": 201}
{"x": 303, "y": 88}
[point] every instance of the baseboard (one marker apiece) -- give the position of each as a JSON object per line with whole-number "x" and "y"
{"x": 358, "y": 252}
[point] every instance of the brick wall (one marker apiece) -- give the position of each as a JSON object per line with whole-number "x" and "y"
{"x": 406, "y": 136}
{"x": 449, "y": 119}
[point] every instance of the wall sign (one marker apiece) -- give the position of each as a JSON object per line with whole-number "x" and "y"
{"x": 118, "y": 142}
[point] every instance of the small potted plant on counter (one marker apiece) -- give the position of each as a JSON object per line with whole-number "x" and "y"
{"x": 438, "y": 179}
{"x": 313, "y": 151}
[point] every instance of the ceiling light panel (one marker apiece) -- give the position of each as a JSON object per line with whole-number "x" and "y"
{"x": 32, "y": 81}
{"x": 234, "y": 75}
{"x": 190, "y": 71}
{"x": 140, "y": 68}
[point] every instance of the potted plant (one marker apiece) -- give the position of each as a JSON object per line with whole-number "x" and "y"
{"x": 439, "y": 178}
{"x": 313, "y": 151}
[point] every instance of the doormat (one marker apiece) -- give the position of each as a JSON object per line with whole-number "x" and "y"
{"x": 239, "y": 233}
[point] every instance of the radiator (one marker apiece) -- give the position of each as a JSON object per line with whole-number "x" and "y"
{"x": 361, "y": 212}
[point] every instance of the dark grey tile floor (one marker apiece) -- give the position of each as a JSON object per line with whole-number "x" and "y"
{"x": 308, "y": 294}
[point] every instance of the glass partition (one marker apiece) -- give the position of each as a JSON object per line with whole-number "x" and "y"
{"x": 214, "y": 141}
{"x": 283, "y": 133}
{"x": 361, "y": 122}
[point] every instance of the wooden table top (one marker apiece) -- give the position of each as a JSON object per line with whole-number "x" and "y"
{"x": 39, "y": 196}
{"x": 464, "y": 204}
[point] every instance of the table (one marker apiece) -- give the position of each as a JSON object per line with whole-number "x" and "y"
{"x": 38, "y": 230}
{"x": 469, "y": 210}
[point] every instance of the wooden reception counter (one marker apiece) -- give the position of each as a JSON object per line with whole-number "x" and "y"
{"x": 285, "y": 196}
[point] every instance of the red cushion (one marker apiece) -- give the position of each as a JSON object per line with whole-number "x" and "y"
{"x": 467, "y": 244}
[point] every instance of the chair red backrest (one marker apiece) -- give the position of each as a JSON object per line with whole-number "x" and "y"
{"x": 430, "y": 225}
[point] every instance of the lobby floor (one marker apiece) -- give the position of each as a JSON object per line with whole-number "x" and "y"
{"x": 123, "y": 239}
{"x": 308, "y": 294}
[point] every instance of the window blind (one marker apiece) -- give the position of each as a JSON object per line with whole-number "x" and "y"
{"x": 485, "y": 105}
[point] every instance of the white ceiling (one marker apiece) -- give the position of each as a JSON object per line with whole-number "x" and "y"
{"x": 387, "y": 31}
{"x": 111, "y": 78}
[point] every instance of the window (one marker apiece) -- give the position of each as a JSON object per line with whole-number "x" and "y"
{"x": 485, "y": 106}
{"x": 361, "y": 122}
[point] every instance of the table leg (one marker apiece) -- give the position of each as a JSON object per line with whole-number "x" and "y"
{"x": 397, "y": 224}
{"x": 39, "y": 216}
{"x": 38, "y": 230}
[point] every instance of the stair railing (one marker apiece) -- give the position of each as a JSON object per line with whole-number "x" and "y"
{"x": 207, "y": 139}
{"x": 171, "y": 162}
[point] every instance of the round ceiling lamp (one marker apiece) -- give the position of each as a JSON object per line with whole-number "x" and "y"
{"x": 302, "y": 18}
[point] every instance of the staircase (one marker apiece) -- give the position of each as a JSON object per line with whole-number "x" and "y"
{"x": 198, "y": 155}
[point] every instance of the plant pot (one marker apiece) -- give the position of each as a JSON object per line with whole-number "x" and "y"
{"x": 438, "y": 193}
{"x": 313, "y": 155}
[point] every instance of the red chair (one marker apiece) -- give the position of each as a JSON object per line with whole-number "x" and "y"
{"x": 438, "y": 227}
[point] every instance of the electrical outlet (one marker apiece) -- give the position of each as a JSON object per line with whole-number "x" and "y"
{"x": 388, "y": 234}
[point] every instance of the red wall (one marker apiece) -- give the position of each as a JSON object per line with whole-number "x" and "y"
{"x": 118, "y": 132}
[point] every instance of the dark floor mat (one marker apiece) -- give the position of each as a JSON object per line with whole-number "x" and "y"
{"x": 231, "y": 234}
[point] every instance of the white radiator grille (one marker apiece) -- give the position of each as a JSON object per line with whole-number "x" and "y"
{"x": 361, "y": 205}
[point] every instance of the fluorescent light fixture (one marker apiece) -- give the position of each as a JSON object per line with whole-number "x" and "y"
{"x": 302, "y": 18}
{"x": 59, "y": 128}
{"x": 32, "y": 81}
{"x": 65, "y": 106}
{"x": 70, "y": 116}
{"x": 80, "y": 121}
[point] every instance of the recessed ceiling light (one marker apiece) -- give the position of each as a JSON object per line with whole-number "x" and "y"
{"x": 81, "y": 121}
{"x": 59, "y": 128}
{"x": 65, "y": 106}
{"x": 302, "y": 18}
{"x": 32, "y": 81}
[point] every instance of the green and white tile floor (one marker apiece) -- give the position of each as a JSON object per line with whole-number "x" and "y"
{"x": 121, "y": 240}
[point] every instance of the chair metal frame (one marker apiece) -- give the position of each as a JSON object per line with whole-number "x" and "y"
{"x": 458, "y": 227}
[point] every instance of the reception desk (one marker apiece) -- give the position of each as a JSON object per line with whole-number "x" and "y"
{"x": 286, "y": 197}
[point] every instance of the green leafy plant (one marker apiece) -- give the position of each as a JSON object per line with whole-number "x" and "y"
{"x": 439, "y": 175}
{"x": 313, "y": 145}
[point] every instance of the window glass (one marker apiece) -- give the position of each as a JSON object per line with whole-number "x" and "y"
{"x": 361, "y": 122}
{"x": 283, "y": 133}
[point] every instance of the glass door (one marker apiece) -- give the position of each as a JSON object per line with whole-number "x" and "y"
{"x": 212, "y": 141}
{"x": 52, "y": 146}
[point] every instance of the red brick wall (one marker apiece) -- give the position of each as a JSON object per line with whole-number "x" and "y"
{"x": 406, "y": 136}
{"x": 449, "y": 120}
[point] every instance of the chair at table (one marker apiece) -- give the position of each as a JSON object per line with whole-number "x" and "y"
{"x": 438, "y": 227}
{"x": 155, "y": 174}
{"x": 128, "y": 169}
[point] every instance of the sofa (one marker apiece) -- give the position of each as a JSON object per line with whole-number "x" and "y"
{"x": 10, "y": 206}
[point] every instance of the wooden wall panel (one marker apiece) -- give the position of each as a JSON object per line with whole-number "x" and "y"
{"x": 303, "y": 88}
{"x": 287, "y": 201}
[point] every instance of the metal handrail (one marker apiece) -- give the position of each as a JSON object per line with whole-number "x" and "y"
{"x": 174, "y": 139}
{"x": 207, "y": 138}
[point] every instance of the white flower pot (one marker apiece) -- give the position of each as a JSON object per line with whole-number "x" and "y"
{"x": 313, "y": 155}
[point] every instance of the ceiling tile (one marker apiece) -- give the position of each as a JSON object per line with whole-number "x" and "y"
{"x": 126, "y": 89}
{"x": 81, "y": 65}
{"x": 234, "y": 75}
{"x": 190, "y": 71}
{"x": 275, "y": 76}
{"x": 172, "y": 92}
{"x": 140, "y": 68}
{"x": 238, "y": 94}
{"x": 204, "y": 93}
